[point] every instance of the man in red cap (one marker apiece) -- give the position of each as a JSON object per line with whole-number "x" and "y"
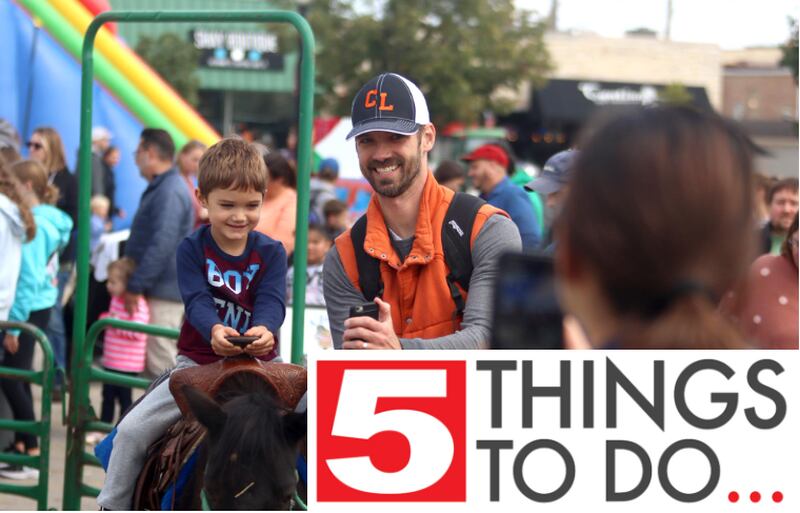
{"x": 487, "y": 169}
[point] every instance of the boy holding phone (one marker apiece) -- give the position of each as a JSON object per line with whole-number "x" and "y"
{"x": 232, "y": 281}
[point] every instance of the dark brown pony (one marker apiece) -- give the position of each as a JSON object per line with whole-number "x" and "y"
{"x": 247, "y": 460}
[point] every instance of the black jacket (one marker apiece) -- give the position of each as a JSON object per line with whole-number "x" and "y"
{"x": 67, "y": 185}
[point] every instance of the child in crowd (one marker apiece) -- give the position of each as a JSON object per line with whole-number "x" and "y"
{"x": 319, "y": 242}
{"x": 123, "y": 351}
{"x": 34, "y": 297}
{"x": 232, "y": 280}
{"x": 100, "y": 224}
{"x": 336, "y": 217}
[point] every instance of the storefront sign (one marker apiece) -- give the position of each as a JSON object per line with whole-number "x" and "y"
{"x": 595, "y": 93}
{"x": 237, "y": 50}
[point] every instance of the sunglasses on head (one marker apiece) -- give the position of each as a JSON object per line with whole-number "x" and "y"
{"x": 34, "y": 145}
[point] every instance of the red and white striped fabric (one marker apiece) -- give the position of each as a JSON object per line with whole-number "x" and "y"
{"x": 125, "y": 350}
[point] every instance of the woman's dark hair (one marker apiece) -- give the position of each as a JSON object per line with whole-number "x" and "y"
{"x": 658, "y": 210}
{"x": 448, "y": 170}
{"x": 786, "y": 247}
{"x": 279, "y": 168}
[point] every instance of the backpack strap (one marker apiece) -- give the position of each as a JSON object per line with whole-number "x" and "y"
{"x": 456, "y": 235}
{"x": 369, "y": 269}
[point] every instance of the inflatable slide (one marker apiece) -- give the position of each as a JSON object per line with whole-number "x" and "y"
{"x": 40, "y": 86}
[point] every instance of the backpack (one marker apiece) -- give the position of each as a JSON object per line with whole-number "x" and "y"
{"x": 456, "y": 231}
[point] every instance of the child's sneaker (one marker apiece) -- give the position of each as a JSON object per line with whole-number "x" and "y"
{"x": 19, "y": 472}
{"x": 94, "y": 437}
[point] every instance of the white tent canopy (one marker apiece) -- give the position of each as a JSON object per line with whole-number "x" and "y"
{"x": 334, "y": 145}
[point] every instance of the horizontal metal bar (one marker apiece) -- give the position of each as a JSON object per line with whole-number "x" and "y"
{"x": 20, "y": 459}
{"x": 105, "y": 427}
{"x": 28, "y": 491}
{"x": 30, "y": 376}
{"x": 24, "y": 426}
{"x": 115, "y": 378}
{"x": 90, "y": 459}
{"x": 89, "y": 491}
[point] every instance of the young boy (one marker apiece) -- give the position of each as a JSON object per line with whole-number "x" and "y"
{"x": 319, "y": 242}
{"x": 232, "y": 282}
{"x": 99, "y": 222}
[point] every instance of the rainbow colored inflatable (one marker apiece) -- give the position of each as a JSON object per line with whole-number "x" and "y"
{"x": 120, "y": 70}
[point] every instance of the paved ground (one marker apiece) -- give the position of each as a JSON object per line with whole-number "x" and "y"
{"x": 92, "y": 475}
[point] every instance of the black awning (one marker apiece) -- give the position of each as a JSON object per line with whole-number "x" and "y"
{"x": 574, "y": 101}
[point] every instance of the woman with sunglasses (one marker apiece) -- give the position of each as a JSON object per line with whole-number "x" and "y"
{"x": 45, "y": 147}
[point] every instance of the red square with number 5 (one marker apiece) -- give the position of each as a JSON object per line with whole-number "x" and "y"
{"x": 391, "y": 431}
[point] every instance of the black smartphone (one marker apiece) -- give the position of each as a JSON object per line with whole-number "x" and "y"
{"x": 241, "y": 341}
{"x": 365, "y": 310}
{"x": 526, "y": 310}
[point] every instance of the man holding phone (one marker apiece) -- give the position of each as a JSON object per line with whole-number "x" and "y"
{"x": 418, "y": 305}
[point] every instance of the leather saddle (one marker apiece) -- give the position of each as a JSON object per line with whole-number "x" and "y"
{"x": 167, "y": 456}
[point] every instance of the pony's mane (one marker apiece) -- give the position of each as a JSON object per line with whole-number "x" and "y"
{"x": 254, "y": 426}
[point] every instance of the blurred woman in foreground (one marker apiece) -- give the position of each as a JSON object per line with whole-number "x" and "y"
{"x": 654, "y": 230}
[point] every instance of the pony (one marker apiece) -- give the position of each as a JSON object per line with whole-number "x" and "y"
{"x": 248, "y": 458}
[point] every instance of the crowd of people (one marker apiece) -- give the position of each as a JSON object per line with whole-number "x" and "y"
{"x": 679, "y": 244}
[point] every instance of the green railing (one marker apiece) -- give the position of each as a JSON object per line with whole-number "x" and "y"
{"x": 82, "y": 418}
{"x": 82, "y": 372}
{"x": 44, "y": 378}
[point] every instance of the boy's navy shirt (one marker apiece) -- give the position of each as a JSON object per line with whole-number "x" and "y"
{"x": 237, "y": 291}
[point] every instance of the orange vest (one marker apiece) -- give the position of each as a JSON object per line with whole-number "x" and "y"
{"x": 417, "y": 287}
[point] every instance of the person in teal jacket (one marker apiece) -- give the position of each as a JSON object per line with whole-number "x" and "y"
{"x": 37, "y": 290}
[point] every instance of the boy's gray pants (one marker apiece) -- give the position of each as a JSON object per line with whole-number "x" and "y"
{"x": 142, "y": 426}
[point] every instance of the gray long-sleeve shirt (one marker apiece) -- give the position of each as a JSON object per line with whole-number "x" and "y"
{"x": 498, "y": 235}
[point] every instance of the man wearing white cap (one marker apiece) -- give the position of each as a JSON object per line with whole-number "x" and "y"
{"x": 396, "y": 253}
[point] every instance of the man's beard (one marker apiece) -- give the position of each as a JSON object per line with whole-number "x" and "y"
{"x": 409, "y": 169}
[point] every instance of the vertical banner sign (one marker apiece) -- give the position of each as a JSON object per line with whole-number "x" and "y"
{"x": 558, "y": 431}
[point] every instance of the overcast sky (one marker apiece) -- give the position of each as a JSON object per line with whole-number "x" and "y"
{"x": 732, "y": 24}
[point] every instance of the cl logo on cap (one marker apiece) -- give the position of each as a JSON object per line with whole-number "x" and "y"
{"x": 370, "y": 100}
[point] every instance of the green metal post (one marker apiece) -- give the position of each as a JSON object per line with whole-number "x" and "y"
{"x": 73, "y": 480}
{"x": 81, "y": 366}
{"x": 37, "y": 492}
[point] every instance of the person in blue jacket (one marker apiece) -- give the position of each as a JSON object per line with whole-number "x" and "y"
{"x": 37, "y": 290}
{"x": 164, "y": 217}
{"x": 487, "y": 169}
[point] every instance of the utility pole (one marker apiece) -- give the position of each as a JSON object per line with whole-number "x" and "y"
{"x": 552, "y": 18}
{"x": 668, "y": 27}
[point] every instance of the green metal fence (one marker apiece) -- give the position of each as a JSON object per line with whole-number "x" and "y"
{"x": 82, "y": 371}
{"x": 41, "y": 428}
{"x": 82, "y": 418}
